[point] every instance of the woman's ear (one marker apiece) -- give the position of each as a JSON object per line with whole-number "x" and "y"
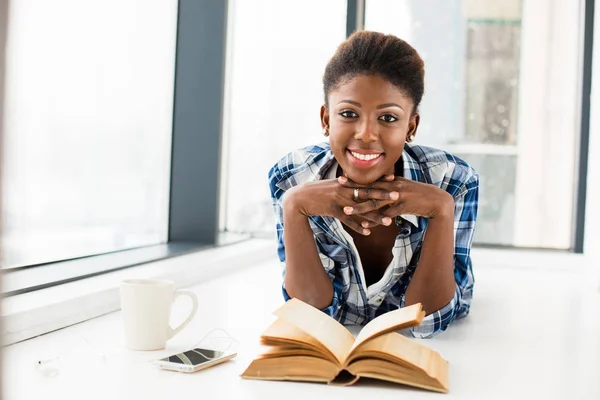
{"x": 325, "y": 119}
{"x": 413, "y": 124}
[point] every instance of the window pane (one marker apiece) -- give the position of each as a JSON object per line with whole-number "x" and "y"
{"x": 501, "y": 91}
{"x": 89, "y": 92}
{"x": 277, "y": 55}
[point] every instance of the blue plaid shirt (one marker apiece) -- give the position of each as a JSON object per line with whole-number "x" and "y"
{"x": 353, "y": 302}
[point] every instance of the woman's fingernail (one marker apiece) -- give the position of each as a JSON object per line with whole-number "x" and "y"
{"x": 394, "y": 195}
{"x": 342, "y": 179}
{"x": 386, "y": 221}
{"x": 390, "y": 177}
{"x": 365, "y": 224}
{"x": 366, "y": 232}
{"x": 348, "y": 210}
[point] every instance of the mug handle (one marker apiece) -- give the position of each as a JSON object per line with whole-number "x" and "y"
{"x": 172, "y": 332}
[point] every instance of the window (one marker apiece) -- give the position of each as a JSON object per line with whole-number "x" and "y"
{"x": 90, "y": 113}
{"x": 502, "y": 90}
{"x": 88, "y": 117}
{"x": 277, "y": 55}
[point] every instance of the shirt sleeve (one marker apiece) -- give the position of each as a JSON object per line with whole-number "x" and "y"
{"x": 465, "y": 215}
{"x": 328, "y": 264}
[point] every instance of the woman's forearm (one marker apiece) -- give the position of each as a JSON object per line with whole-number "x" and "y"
{"x": 433, "y": 283}
{"x": 305, "y": 277}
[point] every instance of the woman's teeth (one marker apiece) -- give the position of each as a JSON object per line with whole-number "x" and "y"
{"x": 365, "y": 157}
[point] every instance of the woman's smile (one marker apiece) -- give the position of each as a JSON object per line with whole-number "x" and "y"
{"x": 363, "y": 159}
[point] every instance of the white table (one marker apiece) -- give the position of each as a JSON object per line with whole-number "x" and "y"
{"x": 530, "y": 334}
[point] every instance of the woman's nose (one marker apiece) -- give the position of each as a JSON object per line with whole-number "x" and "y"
{"x": 367, "y": 132}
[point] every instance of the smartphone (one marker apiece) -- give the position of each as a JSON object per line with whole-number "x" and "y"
{"x": 194, "y": 360}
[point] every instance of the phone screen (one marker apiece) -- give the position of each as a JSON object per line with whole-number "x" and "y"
{"x": 194, "y": 357}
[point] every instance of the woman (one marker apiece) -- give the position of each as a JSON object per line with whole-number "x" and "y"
{"x": 369, "y": 222}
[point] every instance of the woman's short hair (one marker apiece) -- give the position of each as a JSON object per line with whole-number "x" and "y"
{"x": 373, "y": 53}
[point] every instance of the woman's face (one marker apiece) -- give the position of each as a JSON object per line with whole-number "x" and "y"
{"x": 368, "y": 120}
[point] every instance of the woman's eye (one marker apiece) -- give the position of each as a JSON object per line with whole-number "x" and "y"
{"x": 348, "y": 114}
{"x": 388, "y": 118}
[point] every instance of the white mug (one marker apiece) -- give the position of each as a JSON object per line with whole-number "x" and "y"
{"x": 146, "y": 308}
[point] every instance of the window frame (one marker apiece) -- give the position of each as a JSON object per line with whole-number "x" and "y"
{"x": 588, "y": 12}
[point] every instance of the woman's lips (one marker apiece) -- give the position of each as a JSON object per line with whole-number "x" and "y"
{"x": 363, "y": 160}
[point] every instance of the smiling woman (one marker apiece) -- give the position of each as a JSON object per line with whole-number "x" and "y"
{"x": 369, "y": 222}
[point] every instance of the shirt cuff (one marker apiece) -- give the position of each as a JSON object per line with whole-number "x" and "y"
{"x": 437, "y": 321}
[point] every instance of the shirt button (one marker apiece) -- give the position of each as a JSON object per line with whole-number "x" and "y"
{"x": 379, "y": 300}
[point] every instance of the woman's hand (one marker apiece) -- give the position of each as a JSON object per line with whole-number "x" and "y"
{"x": 329, "y": 198}
{"x": 414, "y": 198}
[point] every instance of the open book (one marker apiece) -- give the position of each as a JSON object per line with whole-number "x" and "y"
{"x": 305, "y": 344}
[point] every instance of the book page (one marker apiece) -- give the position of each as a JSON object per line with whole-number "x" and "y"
{"x": 282, "y": 331}
{"x": 285, "y": 351}
{"x": 392, "y": 372}
{"x": 395, "y": 346}
{"x": 399, "y": 347}
{"x": 326, "y": 330}
{"x": 401, "y": 318}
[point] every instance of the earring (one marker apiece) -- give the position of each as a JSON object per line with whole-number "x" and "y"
{"x": 325, "y": 132}
{"x": 410, "y": 138}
